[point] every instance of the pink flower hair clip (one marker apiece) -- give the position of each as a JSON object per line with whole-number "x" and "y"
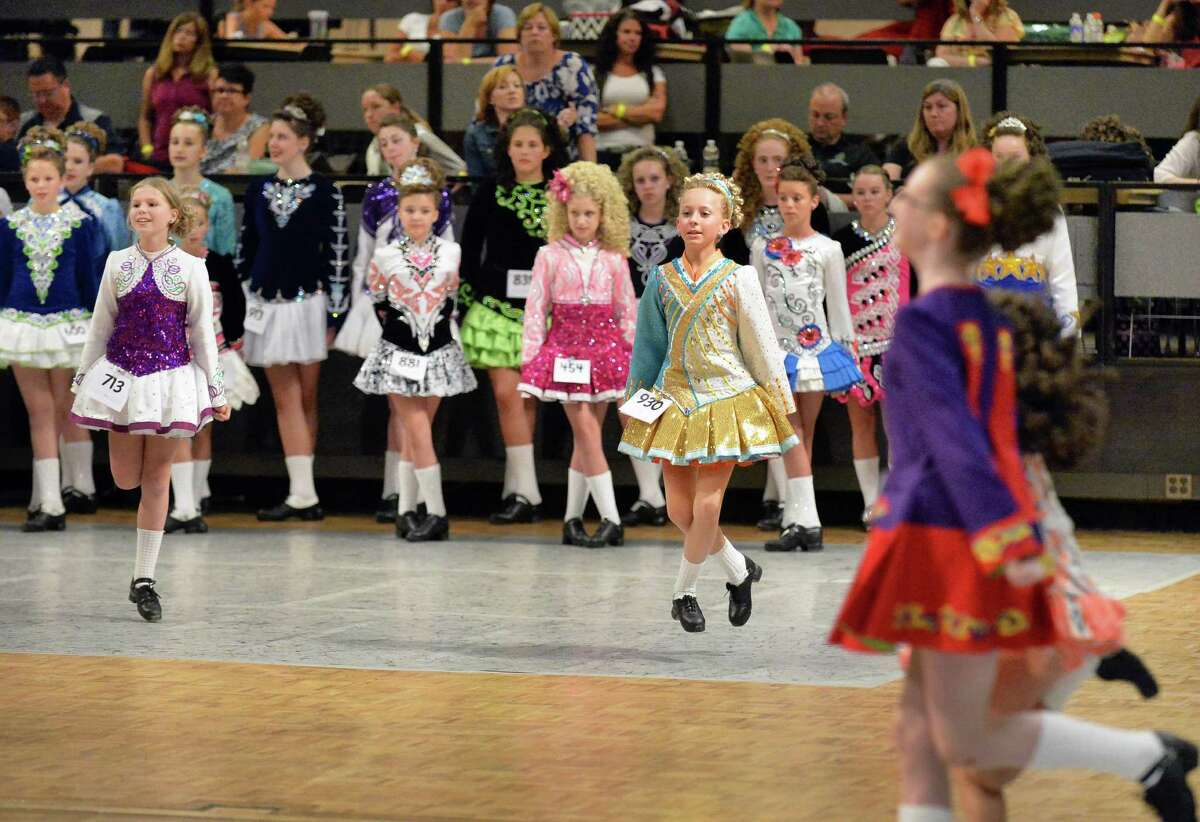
{"x": 560, "y": 186}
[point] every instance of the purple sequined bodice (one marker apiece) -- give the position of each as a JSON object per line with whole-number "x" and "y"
{"x": 150, "y": 331}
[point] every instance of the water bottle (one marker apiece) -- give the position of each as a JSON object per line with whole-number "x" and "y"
{"x": 681, "y": 152}
{"x": 711, "y": 156}
{"x": 1093, "y": 31}
{"x": 1076, "y": 28}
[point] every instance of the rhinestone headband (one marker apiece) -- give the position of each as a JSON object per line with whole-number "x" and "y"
{"x": 295, "y": 112}
{"x": 415, "y": 175}
{"x": 79, "y": 134}
{"x": 774, "y": 132}
{"x": 1008, "y": 124}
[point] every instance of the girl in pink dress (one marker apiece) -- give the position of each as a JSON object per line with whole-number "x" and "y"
{"x": 578, "y": 331}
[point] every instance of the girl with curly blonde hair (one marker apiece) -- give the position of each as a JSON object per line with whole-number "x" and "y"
{"x": 707, "y": 389}
{"x": 652, "y": 178}
{"x": 578, "y": 331}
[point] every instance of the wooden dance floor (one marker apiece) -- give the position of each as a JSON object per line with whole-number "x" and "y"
{"x": 330, "y": 672}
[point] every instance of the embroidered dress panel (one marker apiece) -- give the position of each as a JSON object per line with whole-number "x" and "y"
{"x": 417, "y": 285}
{"x": 42, "y": 236}
{"x": 647, "y": 249}
{"x": 878, "y": 278}
{"x": 528, "y": 203}
{"x": 800, "y": 278}
{"x": 284, "y": 197}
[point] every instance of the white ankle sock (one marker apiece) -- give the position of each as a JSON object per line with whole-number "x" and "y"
{"x": 734, "y": 563}
{"x": 867, "y": 471}
{"x": 1067, "y": 742}
{"x": 524, "y": 480}
{"x": 507, "y": 488}
{"x": 429, "y": 480}
{"x": 390, "y": 458}
{"x": 648, "y": 476}
{"x": 148, "y": 543}
{"x": 200, "y": 469}
{"x": 776, "y": 485}
{"x": 577, "y": 495}
{"x": 601, "y": 488}
{"x": 49, "y": 493}
{"x": 35, "y": 495}
{"x": 182, "y": 478}
{"x": 801, "y": 505}
{"x": 406, "y": 487}
{"x": 685, "y": 582}
{"x": 924, "y": 813}
{"x": 302, "y": 492}
{"x": 77, "y": 462}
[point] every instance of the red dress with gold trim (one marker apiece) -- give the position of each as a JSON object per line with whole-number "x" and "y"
{"x": 956, "y": 505}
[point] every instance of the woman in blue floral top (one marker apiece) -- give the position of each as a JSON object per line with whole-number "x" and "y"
{"x": 557, "y": 82}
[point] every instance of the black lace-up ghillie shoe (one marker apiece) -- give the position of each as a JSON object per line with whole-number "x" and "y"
{"x": 433, "y": 528}
{"x": 516, "y": 509}
{"x": 407, "y": 522}
{"x": 1166, "y": 784}
{"x": 38, "y": 521}
{"x": 686, "y": 610}
{"x": 195, "y": 525}
{"x": 283, "y": 511}
{"x": 797, "y": 538}
{"x": 143, "y": 595}
{"x": 575, "y": 534}
{"x": 772, "y": 516}
{"x": 643, "y": 513}
{"x": 610, "y": 533}
{"x": 77, "y": 502}
{"x": 386, "y": 512}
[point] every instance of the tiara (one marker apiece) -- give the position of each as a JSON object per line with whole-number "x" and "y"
{"x": 196, "y": 117}
{"x": 1008, "y": 123}
{"x": 415, "y": 174}
{"x": 80, "y": 134}
{"x": 28, "y": 148}
{"x": 295, "y": 112}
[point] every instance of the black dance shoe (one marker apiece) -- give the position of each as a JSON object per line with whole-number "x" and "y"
{"x": 1126, "y": 666}
{"x": 433, "y": 528}
{"x": 797, "y": 537}
{"x": 283, "y": 511}
{"x": 195, "y": 525}
{"x": 643, "y": 513}
{"x": 77, "y": 502}
{"x": 739, "y": 595}
{"x": 772, "y": 516}
{"x": 143, "y": 595}
{"x": 686, "y": 610}
{"x": 516, "y": 509}
{"x": 39, "y": 521}
{"x": 575, "y": 534}
{"x": 610, "y": 533}
{"x": 407, "y": 522}
{"x": 205, "y": 505}
{"x": 386, "y": 512}
{"x": 1167, "y": 790}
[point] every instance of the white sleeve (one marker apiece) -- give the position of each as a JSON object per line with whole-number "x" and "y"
{"x": 837, "y": 303}
{"x": 1182, "y": 162}
{"x": 104, "y": 314}
{"x": 440, "y": 152}
{"x": 759, "y": 262}
{"x": 1060, "y": 272}
{"x": 756, "y": 339}
{"x": 362, "y": 258}
{"x": 201, "y": 336}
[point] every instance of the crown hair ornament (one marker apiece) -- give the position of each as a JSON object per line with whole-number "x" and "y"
{"x": 28, "y": 148}
{"x": 1008, "y": 124}
{"x": 415, "y": 175}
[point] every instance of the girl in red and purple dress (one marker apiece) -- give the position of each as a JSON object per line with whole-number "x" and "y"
{"x": 954, "y": 566}
{"x": 578, "y": 333}
{"x": 877, "y": 284}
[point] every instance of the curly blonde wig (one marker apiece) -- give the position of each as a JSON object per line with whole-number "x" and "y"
{"x": 598, "y": 182}
{"x": 743, "y": 165}
{"x": 731, "y": 194}
{"x": 672, "y": 166}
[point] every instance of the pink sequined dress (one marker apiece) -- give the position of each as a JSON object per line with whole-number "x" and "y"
{"x": 152, "y": 332}
{"x": 581, "y": 306}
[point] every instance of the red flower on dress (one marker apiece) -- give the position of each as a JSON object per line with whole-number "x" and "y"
{"x": 809, "y": 335}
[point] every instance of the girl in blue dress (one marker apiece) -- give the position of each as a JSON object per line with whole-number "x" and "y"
{"x": 85, "y": 142}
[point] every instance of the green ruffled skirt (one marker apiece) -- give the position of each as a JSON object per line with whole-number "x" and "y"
{"x": 491, "y": 336}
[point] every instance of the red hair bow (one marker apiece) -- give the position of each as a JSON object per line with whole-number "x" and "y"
{"x": 971, "y": 198}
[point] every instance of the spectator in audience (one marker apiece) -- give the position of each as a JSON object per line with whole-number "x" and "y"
{"x": 239, "y": 136}
{"x": 943, "y": 126}
{"x": 478, "y": 20}
{"x": 501, "y": 93}
{"x": 633, "y": 91}
{"x": 929, "y": 16}
{"x": 10, "y": 121}
{"x": 557, "y": 82}
{"x": 180, "y": 76}
{"x": 250, "y": 20}
{"x": 1175, "y": 21}
{"x": 840, "y": 156}
{"x": 55, "y": 106}
{"x": 418, "y": 26}
{"x": 382, "y": 99}
{"x": 761, "y": 20}
{"x": 979, "y": 20}
{"x": 1182, "y": 163}
{"x": 1110, "y": 129}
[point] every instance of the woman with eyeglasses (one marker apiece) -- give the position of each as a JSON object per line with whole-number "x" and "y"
{"x": 239, "y": 136}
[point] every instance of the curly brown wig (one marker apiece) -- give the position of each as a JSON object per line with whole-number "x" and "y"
{"x": 1110, "y": 129}
{"x": 1061, "y": 401}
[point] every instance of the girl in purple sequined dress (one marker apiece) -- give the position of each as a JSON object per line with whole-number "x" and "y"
{"x": 149, "y": 372}
{"x": 578, "y": 331}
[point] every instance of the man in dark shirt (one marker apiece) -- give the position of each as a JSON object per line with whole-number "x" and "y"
{"x": 56, "y": 107}
{"x": 840, "y": 156}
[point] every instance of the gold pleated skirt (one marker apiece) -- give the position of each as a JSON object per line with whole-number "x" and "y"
{"x": 743, "y": 428}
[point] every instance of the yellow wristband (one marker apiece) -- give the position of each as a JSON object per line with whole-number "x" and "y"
{"x": 407, "y": 50}
{"x": 466, "y": 61}
{"x": 621, "y": 109}
{"x": 971, "y": 60}
{"x": 1158, "y": 18}
{"x": 147, "y": 149}
{"x": 767, "y": 47}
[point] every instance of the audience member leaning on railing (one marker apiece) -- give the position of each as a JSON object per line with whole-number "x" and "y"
{"x": 250, "y": 20}
{"x": 1175, "y": 21}
{"x": 418, "y": 26}
{"x": 762, "y": 20}
{"x": 1182, "y": 163}
{"x": 181, "y": 76}
{"x": 979, "y": 20}
{"x": 633, "y": 91}
{"x": 943, "y": 126}
{"x": 477, "y": 20}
